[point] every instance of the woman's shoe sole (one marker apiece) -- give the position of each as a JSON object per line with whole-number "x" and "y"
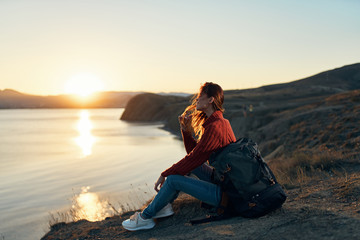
{"x": 139, "y": 228}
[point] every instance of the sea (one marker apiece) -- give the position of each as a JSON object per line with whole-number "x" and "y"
{"x": 68, "y": 164}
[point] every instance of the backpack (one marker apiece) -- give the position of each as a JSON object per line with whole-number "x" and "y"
{"x": 249, "y": 186}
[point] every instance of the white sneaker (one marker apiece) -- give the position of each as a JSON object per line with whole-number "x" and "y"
{"x": 136, "y": 222}
{"x": 164, "y": 212}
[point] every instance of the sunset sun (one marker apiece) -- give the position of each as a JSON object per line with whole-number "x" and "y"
{"x": 83, "y": 84}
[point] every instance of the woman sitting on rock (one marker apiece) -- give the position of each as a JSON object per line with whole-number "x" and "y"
{"x": 204, "y": 119}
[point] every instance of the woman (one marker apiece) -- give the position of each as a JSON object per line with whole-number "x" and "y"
{"x": 204, "y": 119}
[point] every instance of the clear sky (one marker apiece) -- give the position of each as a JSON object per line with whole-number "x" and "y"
{"x": 50, "y": 47}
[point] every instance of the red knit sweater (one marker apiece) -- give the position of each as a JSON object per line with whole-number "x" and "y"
{"x": 217, "y": 134}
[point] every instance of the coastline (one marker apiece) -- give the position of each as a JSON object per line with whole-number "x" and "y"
{"x": 307, "y": 131}
{"x": 323, "y": 195}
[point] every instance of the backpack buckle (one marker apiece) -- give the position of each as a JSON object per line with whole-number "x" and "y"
{"x": 272, "y": 182}
{"x": 222, "y": 178}
{"x": 228, "y": 168}
{"x": 251, "y": 205}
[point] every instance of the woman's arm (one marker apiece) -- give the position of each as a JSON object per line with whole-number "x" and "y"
{"x": 200, "y": 154}
{"x": 185, "y": 125}
{"x": 189, "y": 141}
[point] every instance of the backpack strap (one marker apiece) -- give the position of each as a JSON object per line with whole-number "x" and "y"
{"x": 209, "y": 218}
{"x": 223, "y": 204}
{"x": 221, "y": 212}
{"x": 266, "y": 170}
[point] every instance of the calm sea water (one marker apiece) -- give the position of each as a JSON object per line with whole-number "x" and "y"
{"x": 53, "y": 161}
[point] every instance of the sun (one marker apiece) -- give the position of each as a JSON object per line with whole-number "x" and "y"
{"x": 83, "y": 84}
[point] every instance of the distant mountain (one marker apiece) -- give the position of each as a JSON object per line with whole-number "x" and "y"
{"x": 12, "y": 99}
{"x": 178, "y": 94}
{"x": 10, "y": 93}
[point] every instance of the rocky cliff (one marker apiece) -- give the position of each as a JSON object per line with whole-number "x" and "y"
{"x": 156, "y": 108}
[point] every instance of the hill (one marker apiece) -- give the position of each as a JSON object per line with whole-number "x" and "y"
{"x": 282, "y": 117}
{"x": 12, "y": 99}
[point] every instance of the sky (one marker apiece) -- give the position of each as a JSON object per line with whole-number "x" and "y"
{"x": 50, "y": 47}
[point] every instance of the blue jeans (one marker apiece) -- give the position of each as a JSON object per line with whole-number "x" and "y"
{"x": 201, "y": 189}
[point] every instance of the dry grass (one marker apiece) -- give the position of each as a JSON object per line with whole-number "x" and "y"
{"x": 302, "y": 166}
{"x": 74, "y": 215}
{"x": 348, "y": 187}
{"x": 131, "y": 201}
{"x": 59, "y": 217}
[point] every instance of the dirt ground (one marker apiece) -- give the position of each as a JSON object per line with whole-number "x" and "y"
{"x": 325, "y": 208}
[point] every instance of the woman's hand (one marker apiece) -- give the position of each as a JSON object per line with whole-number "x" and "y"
{"x": 185, "y": 121}
{"x": 160, "y": 182}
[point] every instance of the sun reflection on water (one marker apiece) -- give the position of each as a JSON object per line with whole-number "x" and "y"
{"x": 85, "y": 140}
{"x": 89, "y": 206}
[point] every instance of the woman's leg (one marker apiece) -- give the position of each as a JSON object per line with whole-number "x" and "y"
{"x": 202, "y": 190}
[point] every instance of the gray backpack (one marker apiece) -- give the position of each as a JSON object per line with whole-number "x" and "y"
{"x": 249, "y": 187}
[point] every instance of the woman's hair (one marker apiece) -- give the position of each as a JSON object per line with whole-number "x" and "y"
{"x": 199, "y": 117}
